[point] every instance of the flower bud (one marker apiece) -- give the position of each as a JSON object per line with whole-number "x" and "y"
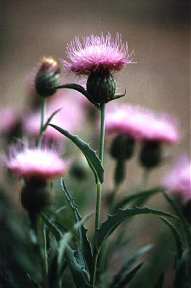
{"x": 35, "y": 196}
{"x": 47, "y": 77}
{"x": 150, "y": 155}
{"x": 122, "y": 147}
{"x": 101, "y": 87}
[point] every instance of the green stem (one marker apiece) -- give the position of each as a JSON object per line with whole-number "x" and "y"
{"x": 99, "y": 190}
{"x": 42, "y": 118}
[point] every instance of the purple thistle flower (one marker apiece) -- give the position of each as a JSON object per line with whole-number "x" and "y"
{"x": 97, "y": 53}
{"x": 141, "y": 124}
{"x": 40, "y": 163}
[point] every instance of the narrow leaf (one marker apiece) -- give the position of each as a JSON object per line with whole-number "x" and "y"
{"x": 91, "y": 156}
{"x": 84, "y": 242}
{"x": 120, "y": 216}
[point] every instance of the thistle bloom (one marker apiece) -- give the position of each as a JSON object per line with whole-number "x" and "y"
{"x": 97, "y": 53}
{"x": 178, "y": 182}
{"x": 39, "y": 163}
{"x": 141, "y": 124}
{"x": 98, "y": 57}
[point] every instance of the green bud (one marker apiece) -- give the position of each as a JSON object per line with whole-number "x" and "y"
{"x": 35, "y": 196}
{"x": 150, "y": 154}
{"x": 101, "y": 87}
{"x": 48, "y": 77}
{"x": 122, "y": 147}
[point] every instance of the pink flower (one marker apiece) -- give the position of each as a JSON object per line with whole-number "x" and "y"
{"x": 70, "y": 117}
{"x": 9, "y": 119}
{"x": 97, "y": 53}
{"x": 141, "y": 124}
{"x": 42, "y": 163}
{"x": 178, "y": 182}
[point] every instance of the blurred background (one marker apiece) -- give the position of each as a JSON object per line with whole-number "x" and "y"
{"x": 158, "y": 32}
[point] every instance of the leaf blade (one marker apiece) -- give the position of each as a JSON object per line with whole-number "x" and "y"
{"x": 90, "y": 155}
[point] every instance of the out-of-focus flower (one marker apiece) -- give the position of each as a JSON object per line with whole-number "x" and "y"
{"x": 39, "y": 163}
{"x": 9, "y": 119}
{"x": 142, "y": 124}
{"x": 70, "y": 117}
{"x": 97, "y": 53}
{"x": 178, "y": 182}
{"x": 47, "y": 77}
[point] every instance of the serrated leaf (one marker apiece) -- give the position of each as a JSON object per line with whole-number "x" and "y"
{"x": 130, "y": 266}
{"x": 84, "y": 242}
{"x": 80, "y": 278}
{"x": 120, "y": 216}
{"x": 91, "y": 156}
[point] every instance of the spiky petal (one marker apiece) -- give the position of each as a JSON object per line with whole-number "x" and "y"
{"x": 97, "y": 53}
{"x": 40, "y": 163}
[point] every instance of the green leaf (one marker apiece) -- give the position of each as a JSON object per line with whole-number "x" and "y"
{"x": 120, "y": 216}
{"x": 123, "y": 276}
{"x": 175, "y": 206}
{"x": 91, "y": 156}
{"x": 176, "y": 235}
{"x": 80, "y": 278}
{"x": 139, "y": 198}
{"x": 84, "y": 242}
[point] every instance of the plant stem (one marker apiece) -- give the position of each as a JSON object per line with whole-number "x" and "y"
{"x": 42, "y": 119}
{"x": 99, "y": 190}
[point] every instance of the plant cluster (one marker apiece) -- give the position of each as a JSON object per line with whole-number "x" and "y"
{"x": 50, "y": 245}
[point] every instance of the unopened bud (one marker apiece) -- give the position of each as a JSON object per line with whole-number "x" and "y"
{"x": 101, "y": 87}
{"x": 35, "y": 196}
{"x": 122, "y": 147}
{"x": 150, "y": 154}
{"x": 48, "y": 77}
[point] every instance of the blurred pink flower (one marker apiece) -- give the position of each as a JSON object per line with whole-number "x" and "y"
{"x": 178, "y": 182}
{"x": 141, "y": 124}
{"x": 9, "y": 118}
{"x": 42, "y": 163}
{"x": 97, "y": 53}
{"x": 70, "y": 117}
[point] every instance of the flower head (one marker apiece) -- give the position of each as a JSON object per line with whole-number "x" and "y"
{"x": 178, "y": 182}
{"x": 40, "y": 163}
{"x": 141, "y": 124}
{"x": 97, "y": 53}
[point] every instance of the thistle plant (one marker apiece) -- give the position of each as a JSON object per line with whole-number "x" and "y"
{"x": 57, "y": 234}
